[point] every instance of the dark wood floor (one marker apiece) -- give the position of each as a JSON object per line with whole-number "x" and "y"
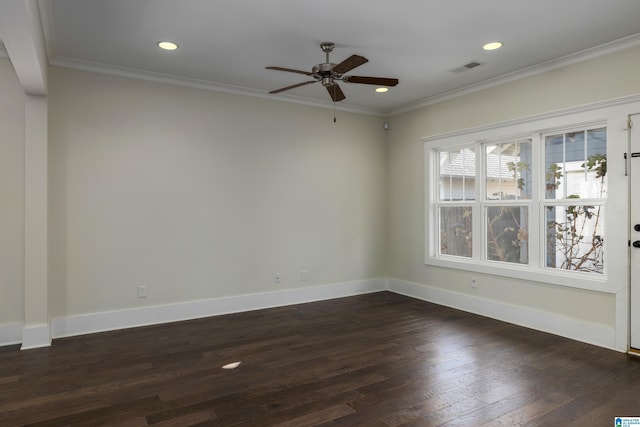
{"x": 372, "y": 360}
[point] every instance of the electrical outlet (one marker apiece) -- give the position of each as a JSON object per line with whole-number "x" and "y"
{"x": 474, "y": 283}
{"x": 142, "y": 291}
{"x": 304, "y": 275}
{"x": 277, "y": 278}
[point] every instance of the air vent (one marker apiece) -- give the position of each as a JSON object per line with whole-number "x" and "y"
{"x": 467, "y": 66}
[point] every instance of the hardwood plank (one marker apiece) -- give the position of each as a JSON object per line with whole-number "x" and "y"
{"x": 531, "y": 411}
{"x": 318, "y": 417}
{"x": 376, "y": 360}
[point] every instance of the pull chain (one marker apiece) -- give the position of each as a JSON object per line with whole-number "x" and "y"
{"x": 334, "y": 103}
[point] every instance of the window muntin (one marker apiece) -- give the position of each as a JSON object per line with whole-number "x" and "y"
{"x": 508, "y": 170}
{"x": 457, "y": 170}
{"x": 576, "y": 164}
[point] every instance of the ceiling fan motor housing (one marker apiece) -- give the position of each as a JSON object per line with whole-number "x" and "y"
{"x": 324, "y": 72}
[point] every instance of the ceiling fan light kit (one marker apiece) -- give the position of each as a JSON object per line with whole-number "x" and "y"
{"x": 329, "y": 74}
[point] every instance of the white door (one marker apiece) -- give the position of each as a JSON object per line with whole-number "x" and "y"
{"x": 634, "y": 161}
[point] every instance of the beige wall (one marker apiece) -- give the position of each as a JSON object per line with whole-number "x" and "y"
{"x": 12, "y": 195}
{"x": 200, "y": 195}
{"x": 598, "y": 79}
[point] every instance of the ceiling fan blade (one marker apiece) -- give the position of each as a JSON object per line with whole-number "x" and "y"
{"x": 335, "y": 93}
{"x": 290, "y": 70}
{"x": 379, "y": 81}
{"x": 349, "y": 64}
{"x": 293, "y": 86}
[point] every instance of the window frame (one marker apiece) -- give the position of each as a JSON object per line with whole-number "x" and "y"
{"x": 533, "y": 128}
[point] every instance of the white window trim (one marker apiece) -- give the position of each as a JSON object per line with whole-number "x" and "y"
{"x": 611, "y": 114}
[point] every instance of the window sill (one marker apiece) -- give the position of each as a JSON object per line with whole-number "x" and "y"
{"x": 574, "y": 279}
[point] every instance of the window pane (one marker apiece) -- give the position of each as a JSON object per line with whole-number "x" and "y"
{"x": 455, "y": 231}
{"x": 457, "y": 174}
{"x": 508, "y": 170}
{"x": 508, "y": 234}
{"x": 575, "y": 237}
{"x": 554, "y": 162}
{"x": 576, "y": 165}
{"x": 596, "y": 164}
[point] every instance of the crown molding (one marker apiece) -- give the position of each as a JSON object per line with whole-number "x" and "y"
{"x": 608, "y": 103}
{"x": 200, "y": 84}
{"x": 574, "y": 58}
{"x": 48, "y": 32}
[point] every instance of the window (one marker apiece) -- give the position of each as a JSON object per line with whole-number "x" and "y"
{"x": 576, "y": 191}
{"x": 508, "y": 192}
{"x": 533, "y": 202}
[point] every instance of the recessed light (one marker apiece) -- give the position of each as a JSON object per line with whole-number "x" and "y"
{"x": 167, "y": 45}
{"x": 492, "y": 46}
{"x": 382, "y": 89}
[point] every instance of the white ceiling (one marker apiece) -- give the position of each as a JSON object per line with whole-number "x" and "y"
{"x": 226, "y": 44}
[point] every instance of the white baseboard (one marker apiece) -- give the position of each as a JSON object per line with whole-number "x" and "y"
{"x": 576, "y": 329}
{"x": 10, "y": 334}
{"x": 36, "y": 336}
{"x": 569, "y": 327}
{"x": 144, "y": 316}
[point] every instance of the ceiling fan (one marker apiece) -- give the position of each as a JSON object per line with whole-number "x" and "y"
{"x": 329, "y": 74}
